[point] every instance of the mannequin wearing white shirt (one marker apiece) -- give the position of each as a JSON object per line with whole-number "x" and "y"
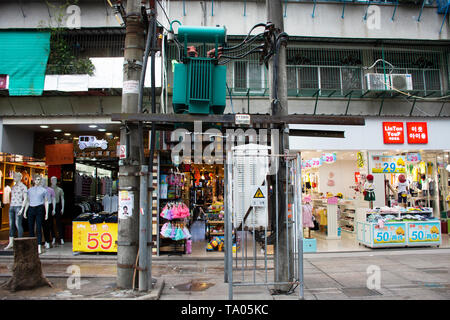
{"x": 18, "y": 197}
{"x": 59, "y": 197}
{"x": 36, "y": 205}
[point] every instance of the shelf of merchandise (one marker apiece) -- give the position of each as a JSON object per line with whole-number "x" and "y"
{"x": 348, "y": 215}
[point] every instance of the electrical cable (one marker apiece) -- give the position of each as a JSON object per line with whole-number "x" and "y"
{"x": 231, "y": 99}
{"x": 167, "y": 17}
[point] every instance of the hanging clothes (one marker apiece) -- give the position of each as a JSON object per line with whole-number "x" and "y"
{"x": 307, "y": 215}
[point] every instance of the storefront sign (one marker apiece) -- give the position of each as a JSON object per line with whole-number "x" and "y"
{"x": 413, "y": 157}
{"x": 424, "y": 232}
{"x": 388, "y": 164}
{"x": 390, "y": 233}
{"x": 393, "y": 133}
{"x": 417, "y": 132}
{"x": 126, "y": 204}
{"x": 329, "y": 157}
{"x": 57, "y": 154}
{"x": 100, "y": 237}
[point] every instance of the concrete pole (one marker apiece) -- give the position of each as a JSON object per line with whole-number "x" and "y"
{"x": 128, "y": 233}
{"x": 283, "y": 253}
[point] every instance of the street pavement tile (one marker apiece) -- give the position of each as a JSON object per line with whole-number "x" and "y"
{"x": 350, "y": 279}
{"x": 314, "y": 281}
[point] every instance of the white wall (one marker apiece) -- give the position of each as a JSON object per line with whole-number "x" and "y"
{"x": 344, "y": 177}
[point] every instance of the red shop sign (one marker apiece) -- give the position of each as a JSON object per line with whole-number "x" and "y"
{"x": 417, "y": 132}
{"x": 393, "y": 132}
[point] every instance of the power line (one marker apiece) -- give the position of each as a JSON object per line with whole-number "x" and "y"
{"x": 164, "y": 11}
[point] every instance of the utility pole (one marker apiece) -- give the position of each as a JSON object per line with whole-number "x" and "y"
{"x": 128, "y": 233}
{"x": 283, "y": 253}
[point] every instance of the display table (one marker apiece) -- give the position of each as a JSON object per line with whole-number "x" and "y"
{"x": 399, "y": 234}
{"x": 96, "y": 237}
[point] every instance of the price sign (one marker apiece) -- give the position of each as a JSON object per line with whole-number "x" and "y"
{"x": 417, "y": 132}
{"x": 413, "y": 157}
{"x": 388, "y": 164}
{"x": 424, "y": 232}
{"x": 329, "y": 157}
{"x": 99, "y": 237}
{"x": 390, "y": 233}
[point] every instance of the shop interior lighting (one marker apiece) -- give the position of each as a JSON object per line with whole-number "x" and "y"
{"x": 57, "y": 130}
{"x": 92, "y": 126}
{"x": 109, "y": 133}
{"x": 101, "y": 129}
{"x": 67, "y": 134}
{"x": 44, "y": 127}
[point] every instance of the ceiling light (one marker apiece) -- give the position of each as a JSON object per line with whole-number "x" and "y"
{"x": 67, "y": 134}
{"x": 101, "y": 129}
{"x": 109, "y": 133}
{"x": 44, "y": 127}
{"x": 92, "y": 126}
{"x": 57, "y": 130}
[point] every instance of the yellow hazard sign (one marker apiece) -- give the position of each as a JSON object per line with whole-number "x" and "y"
{"x": 258, "y": 194}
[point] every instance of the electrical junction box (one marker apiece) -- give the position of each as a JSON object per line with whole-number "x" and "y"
{"x": 199, "y": 85}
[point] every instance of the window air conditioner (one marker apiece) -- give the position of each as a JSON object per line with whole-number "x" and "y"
{"x": 377, "y": 81}
{"x": 401, "y": 82}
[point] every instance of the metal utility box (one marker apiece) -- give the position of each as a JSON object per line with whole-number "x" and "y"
{"x": 199, "y": 84}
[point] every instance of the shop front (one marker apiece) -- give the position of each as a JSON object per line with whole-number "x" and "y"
{"x": 385, "y": 184}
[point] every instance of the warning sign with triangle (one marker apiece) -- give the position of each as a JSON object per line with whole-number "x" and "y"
{"x": 258, "y": 194}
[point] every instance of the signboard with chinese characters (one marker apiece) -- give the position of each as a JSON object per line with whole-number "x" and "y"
{"x": 417, "y": 132}
{"x": 390, "y": 233}
{"x": 393, "y": 133}
{"x": 420, "y": 233}
{"x": 388, "y": 164}
{"x": 96, "y": 237}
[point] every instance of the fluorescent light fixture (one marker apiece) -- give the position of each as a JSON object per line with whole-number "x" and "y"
{"x": 109, "y": 133}
{"x": 67, "y": 134}
{"x": 102, "y": 130}
{"x": 92, "y": 126}
{"x": 57, "y": 130}
{"x": 44, "y": 126}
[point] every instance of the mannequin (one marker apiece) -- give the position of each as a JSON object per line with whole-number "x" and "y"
{"x": 18, "y": 196}
{"x": 37, "y": 203}
{"x": 369, "y": 190}
{"x": 307, "y": 215}
{"x": 403, "y": 190}
{"x": 48, "y": 224}
{"x": 59, "y": 208}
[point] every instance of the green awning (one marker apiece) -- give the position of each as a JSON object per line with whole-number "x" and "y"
{"x": 24, "y": 56}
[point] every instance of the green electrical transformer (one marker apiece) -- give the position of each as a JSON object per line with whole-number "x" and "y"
{"x": 199, "y": 84}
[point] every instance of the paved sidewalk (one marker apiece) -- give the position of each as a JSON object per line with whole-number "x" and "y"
{"x": 418, "y": 274}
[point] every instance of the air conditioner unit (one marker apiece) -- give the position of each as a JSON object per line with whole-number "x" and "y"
{"x": 377, "y": 81}
{"x": 402, "y": 82}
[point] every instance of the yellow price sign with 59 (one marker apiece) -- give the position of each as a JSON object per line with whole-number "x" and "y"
{"x": 99, "y": 237}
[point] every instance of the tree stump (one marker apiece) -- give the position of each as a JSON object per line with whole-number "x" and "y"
{"x": 27, "y": 270}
